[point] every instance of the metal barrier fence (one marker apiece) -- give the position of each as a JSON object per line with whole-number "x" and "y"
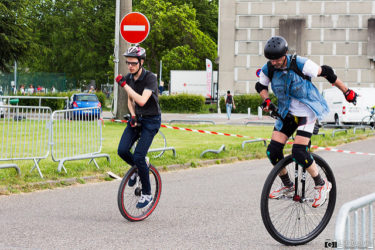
{"x": 343, "y": 234}
{"x": 76, "y": 134}
{"x": 24, "y": 133}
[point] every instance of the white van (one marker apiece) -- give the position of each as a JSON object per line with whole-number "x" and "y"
{"x": 343, "y": 112}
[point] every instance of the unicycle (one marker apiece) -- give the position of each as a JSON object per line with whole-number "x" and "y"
{"x": 128, "y": 197}
{"x": 290, "y": 219}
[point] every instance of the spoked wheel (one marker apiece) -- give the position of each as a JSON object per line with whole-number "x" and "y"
{"x": 368, "y": 121}
{"x": 291, "y": 220}
{"x": 128, "y": 197}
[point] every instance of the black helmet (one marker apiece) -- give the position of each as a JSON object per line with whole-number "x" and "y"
{"x": 136, "y": 51}
{"x": 275, "y": 48}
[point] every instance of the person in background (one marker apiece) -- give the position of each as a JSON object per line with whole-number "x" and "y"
{"x": 92, "y": 90}
{"x": 39, "y": 89}
{"x": 31, "y": 90}
{"x": 22, "y": 89}
{"x": 229, "y": 103}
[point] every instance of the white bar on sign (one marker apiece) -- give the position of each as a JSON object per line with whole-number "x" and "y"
{"x": 134, "y": 27}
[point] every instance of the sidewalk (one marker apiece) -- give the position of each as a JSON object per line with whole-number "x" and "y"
{"x": 236, "y": 119}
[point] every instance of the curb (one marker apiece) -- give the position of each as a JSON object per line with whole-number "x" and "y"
{"x": 173, "y": 167}
{"x": 54, "y": 182}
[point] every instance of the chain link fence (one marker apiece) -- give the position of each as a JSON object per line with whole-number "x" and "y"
{"x": 42, "y": 80}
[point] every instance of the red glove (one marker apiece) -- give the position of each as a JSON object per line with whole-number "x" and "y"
{"x": 121, "y": 80}
{"x": 133, "y": 121}
{"x": 266, "y": 103}
{"x": 351, "y": 96}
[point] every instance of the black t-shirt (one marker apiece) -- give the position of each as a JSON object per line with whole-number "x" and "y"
{"x": 229, "y": 99}
{"x": 147, "y": 80}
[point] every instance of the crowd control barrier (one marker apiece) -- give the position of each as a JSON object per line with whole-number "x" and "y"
{"x": 76, "y": 134}
{"x": 24, "y": 133}
{"x": 362, "y": 235}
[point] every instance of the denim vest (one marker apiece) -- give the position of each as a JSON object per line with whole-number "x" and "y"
{"x": 287, "y": 84}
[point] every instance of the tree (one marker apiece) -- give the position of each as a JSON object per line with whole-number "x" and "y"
{"x": 74, "y": 37}
{"x": 179, "y": 58}
{"x": 207, "y": 12}
{"x": 14, "y": 32}
{"x": 174, "y": 32}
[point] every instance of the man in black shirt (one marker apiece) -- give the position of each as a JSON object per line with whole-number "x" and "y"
{"x": 143, "y": 103}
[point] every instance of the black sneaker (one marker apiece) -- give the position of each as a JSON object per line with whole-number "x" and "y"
{"x": 144, "y": 201}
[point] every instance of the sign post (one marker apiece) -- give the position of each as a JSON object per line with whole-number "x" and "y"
{"x": 134, "y": 27}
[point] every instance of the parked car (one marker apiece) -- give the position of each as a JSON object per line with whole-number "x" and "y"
{"x": 78, "y": 101}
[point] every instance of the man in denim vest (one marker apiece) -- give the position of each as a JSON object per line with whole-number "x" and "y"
{"x": 299, "y": 104}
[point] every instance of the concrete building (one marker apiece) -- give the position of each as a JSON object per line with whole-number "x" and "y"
{"x": 337, "y": 33}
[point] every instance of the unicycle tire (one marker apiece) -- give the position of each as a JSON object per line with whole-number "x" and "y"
{"x": 291, "y": 221}
{"x": 128, "y": 197}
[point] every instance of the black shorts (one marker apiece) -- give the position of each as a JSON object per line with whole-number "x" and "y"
{"x": 303, "y": 125}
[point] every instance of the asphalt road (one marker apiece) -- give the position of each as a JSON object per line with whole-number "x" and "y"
{"x": 214, "y": 207}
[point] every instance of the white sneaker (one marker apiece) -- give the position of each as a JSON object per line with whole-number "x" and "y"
{"x": 133, "y": 179}
{"x": 147, "y": 161}
{"x": 282, "y": 191}
{"x": 144, "y": 201}
{"x": 321, "y": 193}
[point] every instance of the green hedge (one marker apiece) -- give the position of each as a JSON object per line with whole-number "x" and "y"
{"x": 182, "y": 103}
{"x": 54, "y": 104}
{"x": 243, "y": 102}
{"x": 101, "y": 96}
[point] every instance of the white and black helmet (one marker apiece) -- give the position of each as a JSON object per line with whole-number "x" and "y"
{"x": 136, "y": 51}
{"x": 275, "y": 48}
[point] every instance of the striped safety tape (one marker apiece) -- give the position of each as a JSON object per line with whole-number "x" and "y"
{"x": 205, "y": 131}
{"x": 244, "y": 136}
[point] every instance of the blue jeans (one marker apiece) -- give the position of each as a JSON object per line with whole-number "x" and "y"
{"x": 149, "y": 127}
{"x": 229, "y": 109}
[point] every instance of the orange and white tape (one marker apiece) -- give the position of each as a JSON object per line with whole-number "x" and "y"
{"x": 204, "y": 131}
{"x": 244, "y": 136}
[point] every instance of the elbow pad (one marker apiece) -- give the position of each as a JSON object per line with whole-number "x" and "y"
{"x": 259, "y": 87}
{"x": 328, "y": 73}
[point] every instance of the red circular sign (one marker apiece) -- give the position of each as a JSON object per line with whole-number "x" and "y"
{"x": 134, "y": 27}
{"x": 258, "y": 72}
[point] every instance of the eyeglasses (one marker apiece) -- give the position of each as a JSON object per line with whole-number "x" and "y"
{"x": 132, "y": 63}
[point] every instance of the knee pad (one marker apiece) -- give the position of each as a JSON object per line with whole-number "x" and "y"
{"x": 301, "y": 155}
{"x": 275, "y": 152}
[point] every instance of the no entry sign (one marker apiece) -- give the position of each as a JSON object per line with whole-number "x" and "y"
{"x": 134, "y": 27}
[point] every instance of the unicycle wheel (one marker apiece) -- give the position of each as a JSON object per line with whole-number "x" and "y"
{"x": 128, "y": 197}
